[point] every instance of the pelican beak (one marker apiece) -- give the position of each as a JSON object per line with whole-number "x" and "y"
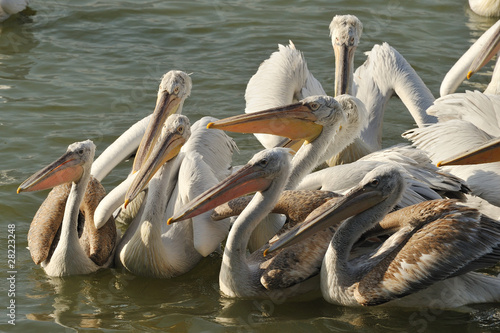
{"x": 162, "y": 152}
{"x": 248, "y": 179}
{"x": 359, "y": 199}
{"x": 166, "y": 104}
{"x": 66, "y": 169}
{"x": 344, "y": 65}
{"x": 294, "y": 121}
{"x": 487, "y": 153}
{"x": 490, "y": 48}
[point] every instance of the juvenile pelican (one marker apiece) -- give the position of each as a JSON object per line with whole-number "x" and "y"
{"x": 76, "y": 252}
{"x": 241, "y": 275}
{"x": 430, "y": 258}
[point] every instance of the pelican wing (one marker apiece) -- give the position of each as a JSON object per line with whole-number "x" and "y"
{"x": 46, "y": 223}
{"x": 98, "y": 243}
{"x": 447, "y": 239}
{"x": 482, "y": 110}
{"x": 280, "y": 80}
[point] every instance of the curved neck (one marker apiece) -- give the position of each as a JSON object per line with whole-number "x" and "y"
{"x": 310, "y": 155}
{"x": 69, "y": 227}
{"x": 124, "y": 146}
{"x": 386, "y": 73}
{"x": 344, "y": 238}
{"x": 494, "y": 85}
{"x": 160, "y": 188}
{"x": 234, "y": 258}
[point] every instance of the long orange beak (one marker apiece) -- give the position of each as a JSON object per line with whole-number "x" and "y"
{"x": 166, "y": 149}
{"x": 64, "y": 170}
{"x": 487, "y": 153}
{"x": 166, "y": 105}
{"x": 295, "y": 121}
{"x": 248, "y": 179}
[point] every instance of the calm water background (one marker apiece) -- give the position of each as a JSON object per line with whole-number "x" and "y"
{"x": 90, "y": 69}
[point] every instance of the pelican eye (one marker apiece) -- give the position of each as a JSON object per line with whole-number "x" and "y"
{"x": 176, "y": 90}
{"x": 263, "y": 162}
{"x": 374, "y": 182}
{"x": 180, "y": 129}
{"x": 314, "y": 106}
{"x": 80, "y": 151}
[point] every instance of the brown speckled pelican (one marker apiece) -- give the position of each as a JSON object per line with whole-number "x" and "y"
{"x": 429, "y": 260}
{"x": 79, "y": 248}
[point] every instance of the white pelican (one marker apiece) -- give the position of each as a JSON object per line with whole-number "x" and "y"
{"x": 285, "y": 78}
{"x": 175, "y": 87}
{"x": 241, "y": 275}
{"x": 316, "y": 119}
{"x": 431, "y": 257}
{"x": 151, "y": 248}
{"x": 73, "y": 253}
{"x": 490, "y": 8}
{"x": 11, "y": 7}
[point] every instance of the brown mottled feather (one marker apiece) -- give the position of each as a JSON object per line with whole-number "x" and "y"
{"x": 303, "y": 260}
{"x": 295, "y": 204}
{"x": 46, "y": 223}
{"x": 100, "y": 242}
{"x": 446, "y": 233}
{"x": 45, "y": 227}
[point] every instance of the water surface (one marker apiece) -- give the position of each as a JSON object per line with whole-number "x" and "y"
{"x": 90, "y": 69}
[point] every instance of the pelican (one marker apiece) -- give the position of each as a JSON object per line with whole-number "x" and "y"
{"x": 11, "y": 7}
{"x": 241, "y": 275}
{"x": 466, "y": 121}
{"x": 148, "y": 247}
{"x": 284, "y": 78}
{"x": 314, "y": 115}
{"x": 174, "y": 88}
{"x": 490, "y": 8}
{"x": 431, "y": 257}
{"x": 317, "y": 119}
{"x": 151, "y": 248}
{"x": 74, "y": 253}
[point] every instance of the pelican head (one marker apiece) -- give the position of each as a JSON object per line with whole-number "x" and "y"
{"x": 257, "y": 175}
{"x": 174, "y": 88}
{"x": 302, "y": 120}
{"x": 384, "y": 184}
{"x": 68, "y": 168}
{"x": 345, "y": 32}
{"x": 175, "y": 132}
